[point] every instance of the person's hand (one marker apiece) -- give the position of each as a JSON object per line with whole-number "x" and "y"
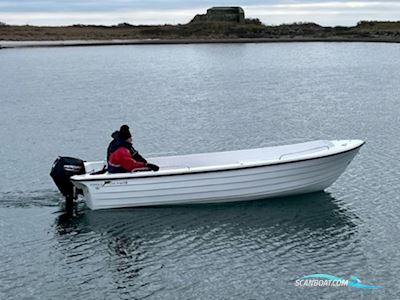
{"x": 153, "y": 167}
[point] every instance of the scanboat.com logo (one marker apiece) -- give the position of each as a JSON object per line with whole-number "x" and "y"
{"x": 330, "y": 280}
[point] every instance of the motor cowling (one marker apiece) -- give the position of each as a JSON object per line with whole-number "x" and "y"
{"x": 62, "y": 170}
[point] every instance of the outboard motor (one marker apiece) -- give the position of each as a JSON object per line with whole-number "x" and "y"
{"x": 63, "y": 168}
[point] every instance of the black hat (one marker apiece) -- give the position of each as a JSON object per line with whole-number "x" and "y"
{"x": 115, "y": 134}
{"x": 124, "y": 132}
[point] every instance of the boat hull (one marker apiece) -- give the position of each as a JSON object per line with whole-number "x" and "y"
{"x": 242, "y": 184}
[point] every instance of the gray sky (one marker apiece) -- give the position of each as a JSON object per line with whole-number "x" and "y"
{"x": 106, "y": 12}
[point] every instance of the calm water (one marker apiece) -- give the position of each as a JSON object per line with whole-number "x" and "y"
{"x": 197, "y": 98}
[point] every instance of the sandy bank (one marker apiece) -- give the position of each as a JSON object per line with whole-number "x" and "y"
{"x": 80, "y": 43}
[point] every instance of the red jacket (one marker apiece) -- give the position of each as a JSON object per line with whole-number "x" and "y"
{"x": 122, "y": 158}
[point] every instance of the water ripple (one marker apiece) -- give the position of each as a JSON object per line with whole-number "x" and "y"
{"x": 30, "y": 198}
{"x": 231, "y": 97}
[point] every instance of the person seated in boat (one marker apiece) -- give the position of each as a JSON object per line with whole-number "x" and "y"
{"x": 122, "y": 157}
{"x": 117, "y": 142}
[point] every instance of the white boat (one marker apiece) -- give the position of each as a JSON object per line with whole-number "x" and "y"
{"x": 221, "y": 176}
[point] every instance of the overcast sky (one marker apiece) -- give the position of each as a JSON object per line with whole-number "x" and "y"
{"x": 106, "y": 12}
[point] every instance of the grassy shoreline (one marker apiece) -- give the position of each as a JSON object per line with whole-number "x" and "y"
{"x": 216, "y": 32}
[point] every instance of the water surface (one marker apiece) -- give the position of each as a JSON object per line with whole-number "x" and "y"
{"x": 182, "y": 99}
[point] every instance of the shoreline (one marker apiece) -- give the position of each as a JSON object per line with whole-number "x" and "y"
{"x": 84, "y": 43}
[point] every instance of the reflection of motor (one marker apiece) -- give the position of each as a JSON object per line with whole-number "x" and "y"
{"x": 63, "y": 168}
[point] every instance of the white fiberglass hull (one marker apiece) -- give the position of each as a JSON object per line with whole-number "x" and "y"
{"x": 274, "y": 179}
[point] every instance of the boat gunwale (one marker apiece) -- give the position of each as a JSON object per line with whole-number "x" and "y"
{"x": 151, "y": 175}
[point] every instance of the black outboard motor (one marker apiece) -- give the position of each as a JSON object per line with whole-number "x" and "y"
{"x": 63, "y": 168}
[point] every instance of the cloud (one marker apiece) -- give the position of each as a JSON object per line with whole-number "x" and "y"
{"x": 62, "y": 12}
{"x": 326, "y": 13}
{"x": 100, "y": 17}
{"x": 115, "y": 5}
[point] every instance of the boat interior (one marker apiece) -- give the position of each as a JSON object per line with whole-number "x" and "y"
{"x": 237, "y": 158}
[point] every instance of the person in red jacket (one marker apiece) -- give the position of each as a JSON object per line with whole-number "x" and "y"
{"x": 121, "y": 159}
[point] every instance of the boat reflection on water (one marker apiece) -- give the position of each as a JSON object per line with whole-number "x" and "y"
{"x": 270, "y": 218}
{"x": 151, "y": 244}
